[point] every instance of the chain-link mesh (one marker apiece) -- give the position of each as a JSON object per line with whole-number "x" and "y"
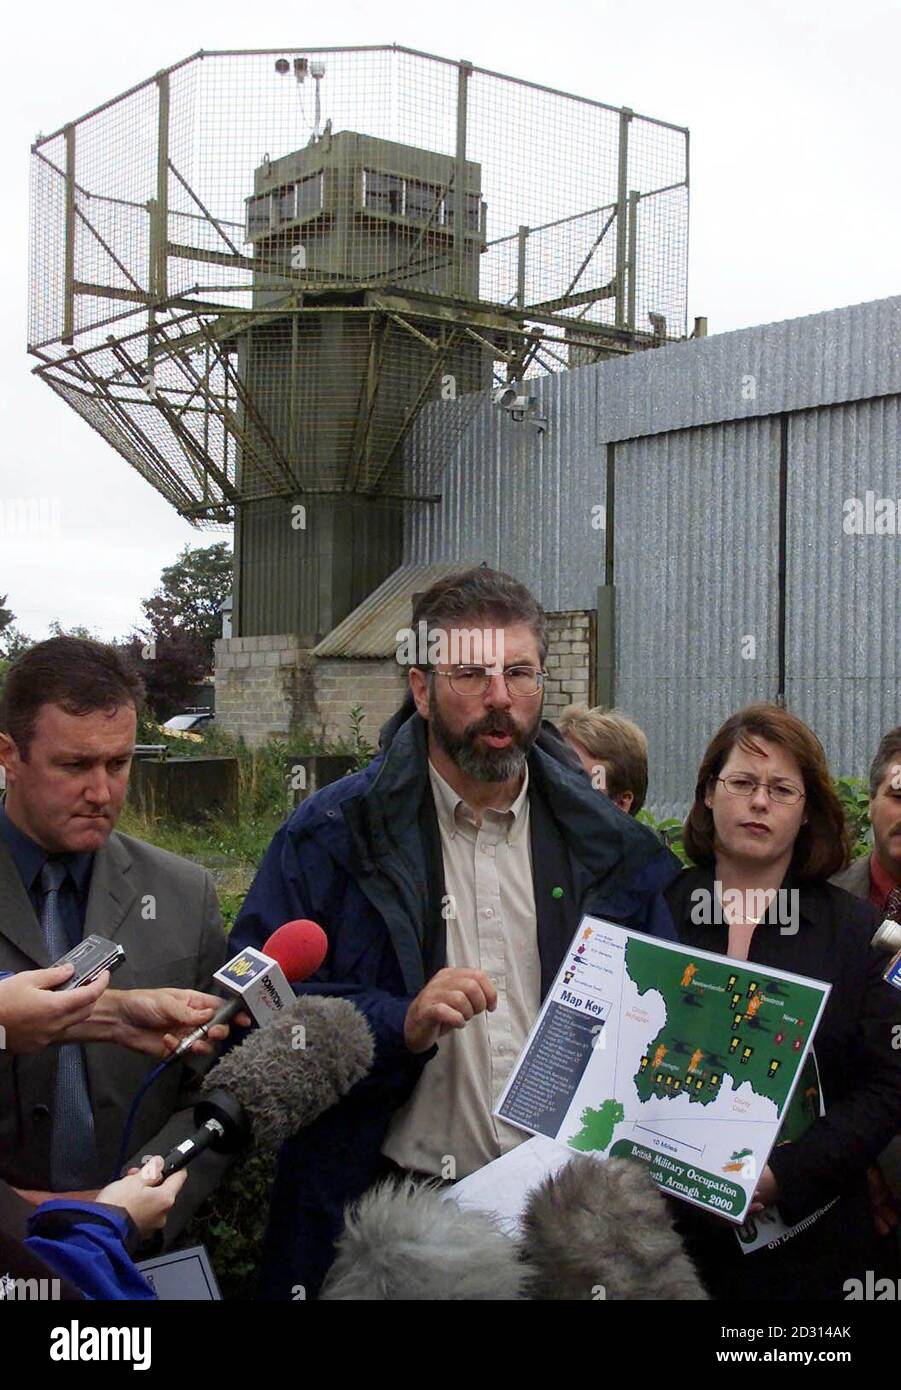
{"x": 252, "y": 272}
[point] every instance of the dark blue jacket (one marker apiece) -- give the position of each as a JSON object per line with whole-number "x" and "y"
{"x": 359, "y": 857}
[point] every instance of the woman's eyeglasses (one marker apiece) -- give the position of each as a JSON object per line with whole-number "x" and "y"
{"x": 783, "y": 793}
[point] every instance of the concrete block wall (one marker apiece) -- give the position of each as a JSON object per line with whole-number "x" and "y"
{"x": 568, "y": 662}
{"x": 272, "y": 685}
{"x": 340, "y": 683}
{"x": 263, "y": 686}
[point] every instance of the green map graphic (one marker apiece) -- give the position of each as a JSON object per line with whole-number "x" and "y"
{"x": 729, "y": 1022}
{"x": 597, "y": 1126}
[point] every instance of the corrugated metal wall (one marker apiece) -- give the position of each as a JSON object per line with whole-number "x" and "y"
{"x": 520, "y": 499}
{"x": 696, "y": 544}
{"x": 843, "y": 628}
{"x": 698, "y": 431}
{"x": 304, "y": 580}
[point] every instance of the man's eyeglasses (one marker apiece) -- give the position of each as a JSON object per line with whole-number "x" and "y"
{"x": 784, "y": 793}
{"x": 475, "y": 680}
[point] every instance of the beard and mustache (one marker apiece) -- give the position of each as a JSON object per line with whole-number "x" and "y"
{"x": 485, "y": 764}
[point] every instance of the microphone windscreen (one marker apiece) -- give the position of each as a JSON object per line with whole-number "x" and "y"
{"x": 601, "y": 1229}
{"x": 408, "y": 1242}
{"x": 287, "y": 1074}
{"x": 299, "y": 948}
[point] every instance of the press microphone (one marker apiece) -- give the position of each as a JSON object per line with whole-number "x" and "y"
{"x": 260, "y": 981}
{"x": 600, "y": 1229}
{"x": 887, "y": 937}
{"x": 279, "y": 1079}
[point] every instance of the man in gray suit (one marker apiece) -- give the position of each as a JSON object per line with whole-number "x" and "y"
{"x": 878, "y": 875}
{"x": 67, "y": 732}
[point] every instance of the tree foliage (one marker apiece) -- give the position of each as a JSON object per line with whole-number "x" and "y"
{"x": 190, "y": 595}
{"x": 169, "y": 667}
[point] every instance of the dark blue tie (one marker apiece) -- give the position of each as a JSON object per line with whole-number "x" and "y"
{"x": 72, "y": 1146}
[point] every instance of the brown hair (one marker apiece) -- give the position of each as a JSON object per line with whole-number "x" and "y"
{"x": 822, "y": 846}
{"x": 615, "y": 741}
{"x": 75, "y": 673}
{"x": 483, "y": 593}
{"x": 888, "y": 752}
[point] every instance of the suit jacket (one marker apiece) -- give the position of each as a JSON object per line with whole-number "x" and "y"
{"x": 855, "y": 879}
{"x": 163, "y": 911}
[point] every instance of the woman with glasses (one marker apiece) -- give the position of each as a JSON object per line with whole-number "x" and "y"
{"x": 765, "y": 833}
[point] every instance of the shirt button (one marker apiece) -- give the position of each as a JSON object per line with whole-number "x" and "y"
{"x": 487, "y": 912}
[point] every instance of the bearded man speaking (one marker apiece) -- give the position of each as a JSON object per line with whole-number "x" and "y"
{"x": 449, "y": 877}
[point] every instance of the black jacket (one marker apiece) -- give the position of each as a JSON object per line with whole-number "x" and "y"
{"x": 858, "y": 1051}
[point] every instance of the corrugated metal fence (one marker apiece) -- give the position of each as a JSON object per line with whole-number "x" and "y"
{"x": 728, "y": 532}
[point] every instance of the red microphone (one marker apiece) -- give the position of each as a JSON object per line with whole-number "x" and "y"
{"x": 260, "y": 981}
{"x": 299, "y": 947}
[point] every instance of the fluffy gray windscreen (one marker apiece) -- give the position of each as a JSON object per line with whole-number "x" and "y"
{"x": 602, "y": 1229}
{"x": 290, "y": 1071}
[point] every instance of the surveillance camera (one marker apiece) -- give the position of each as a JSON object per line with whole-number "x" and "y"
{"x": 504, "y": 396}
{"x": 317, "y": 69}
{"x": 282, "y": 65}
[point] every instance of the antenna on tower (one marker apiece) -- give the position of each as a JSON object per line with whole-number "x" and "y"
{"x": 317, "y": 72}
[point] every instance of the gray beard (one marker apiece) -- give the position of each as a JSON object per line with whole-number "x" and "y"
{"x": 493, "y": 765}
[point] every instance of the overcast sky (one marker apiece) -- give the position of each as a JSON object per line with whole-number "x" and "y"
{"x": 795, "y": 196}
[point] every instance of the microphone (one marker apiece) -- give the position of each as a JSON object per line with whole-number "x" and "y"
{"x": 260, "y": 981}
{"x": 887, "y": 937}
{"x": 279, "y": 1079}
{"x": 600, "y": 1229}
{"x": 407, "y": 1242}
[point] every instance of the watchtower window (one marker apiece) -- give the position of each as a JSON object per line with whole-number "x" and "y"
{"x": 258, "y": 216}
{"x": 423, "y": 201}
{"x": 283, "y": 200}
{"x": 309, "y": 194}
{"x": 471, "y": 204}
{"x": 383, "y": 192}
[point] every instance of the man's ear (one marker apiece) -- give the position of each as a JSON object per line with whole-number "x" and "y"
{"x": 419, "y": 688}
{"x": 9, "y": 755}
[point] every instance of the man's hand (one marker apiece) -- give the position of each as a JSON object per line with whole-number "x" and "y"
{"x": 34, "y": 1016}
{"x": 766, "y": 1191}
{"x": 153, "y": 1020}
{"x": 450, "y": 999}
{"x": 147, "y": 1200}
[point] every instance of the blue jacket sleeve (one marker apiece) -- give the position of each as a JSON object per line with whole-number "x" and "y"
{"x": 85, "y": 1242}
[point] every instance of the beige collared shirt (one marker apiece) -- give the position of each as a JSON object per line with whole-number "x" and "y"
{"x": 491, "y": 926}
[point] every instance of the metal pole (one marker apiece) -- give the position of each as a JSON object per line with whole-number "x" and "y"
{"x": 69, "y": 262}
{"x": 464, "y": 72}
{"x": 625, "y": 117}
{"x": 634, "y": 197}
{"x": 521, "y": 267}
{"x": 158, "y": 288}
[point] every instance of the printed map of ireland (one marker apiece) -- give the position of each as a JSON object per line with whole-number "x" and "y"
{"x": 677, "y": 1057}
